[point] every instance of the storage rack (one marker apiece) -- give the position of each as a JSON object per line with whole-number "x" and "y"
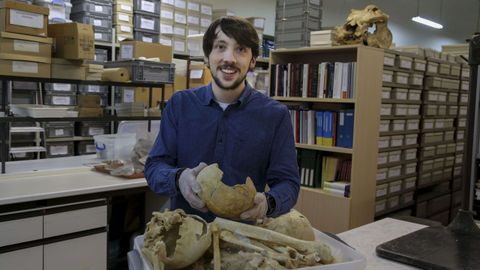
{"x": 4, "y": 121}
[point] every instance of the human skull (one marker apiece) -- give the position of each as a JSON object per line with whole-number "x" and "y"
{"x": 175, "y": 239}
{"x": 293, "y": 224}
{"x": 223, "y": 200}
{"x": 355, "y": 30}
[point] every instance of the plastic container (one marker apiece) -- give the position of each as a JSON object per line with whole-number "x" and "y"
{"x": 60, "y": 99}
{"x": 86, "y": 129}
{"x": 85, "y": 88}
{"x": 61, "y": 87}
{"x": 38, "y": 110}
{"x": 85, "y": 148}
{"x": 146, "y": 22}
{"x": 16, "y": 85}
{"x": 103, "y": 34}
{"x": 148, "y": 7}
{"x": 95, "y": 7}
{"x": 59, "y": 129}
{"x": 143, "y": 71}
{"x": 146, "y": 36}
{"x": 114, "y": 146}
{"x": 59, "y": 149}
{"x": 93, "y": 19}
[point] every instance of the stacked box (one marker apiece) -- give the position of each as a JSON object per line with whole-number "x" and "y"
{"x": 167, "y": 16}
{"x": 193, "y": 18}
{"x": 206, "y": 16}
{"x": 60, "y": 94}
{"x": 217, "y": 13}
{"x": 97, "y": 13}
{"x": 146, "y": 20}
{"x": 59, "y": 10}
{"x": 180, "y": 27}
{"x": 259, "y": 24}
{"x": 293, "y": 25}
{"x": 123, "y": 19}
{"x": 26, "y": 51}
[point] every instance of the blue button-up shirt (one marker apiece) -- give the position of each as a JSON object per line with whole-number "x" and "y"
{"x": 252, "y": 137}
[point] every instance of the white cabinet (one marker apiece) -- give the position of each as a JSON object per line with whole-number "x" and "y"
{"x": 68, "y": 236}
{"x": 88, "y": 252}
{"x": 27, "y": 258}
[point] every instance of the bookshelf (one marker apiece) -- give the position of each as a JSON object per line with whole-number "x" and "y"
{"x": 327, "y": 211}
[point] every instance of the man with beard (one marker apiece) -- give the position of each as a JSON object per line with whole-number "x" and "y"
{"x": 229, "y": 123}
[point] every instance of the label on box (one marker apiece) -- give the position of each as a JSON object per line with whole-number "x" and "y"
{"x": 90, "y": 148}
{"x": 193, "y": 19}
{"x": 98, "y": 8}
{"x": 196, "y": 73}
{"x": 381, "y": 192}
{"x": 56, "y": 150}
{"x": 60, "y": 100}
{"x": 166, "y": 29}
{"x": 147, "y": 39}
{"x": 169, "y": 2}
{"x": 147, "y": 6}
{"x": 420, "y": 66}
{"x": 59, "y": 132}
{"x": 26, "y": 46}
{"x": 193, "y": 31}
{"x": 388, "y": 61}
{"x": 24, "y": 67}
{"x": 20, "y": 155}
{"x": 123, "y": 17}
{"x": 166, "y": 42}
{"x": 94, "y": 88}
{"x": 387, "y": 77}
{"x": 125, "y": 28}
{"x": 128, "y": 95}
{"x": 179, "y": 46}
{"x": 179, "y": 31}
{"x": 206, "y": 10}
{"x": 180, "y": 18}
{"x": 147, "y": 24}
{"x": 98, "y": 36}
{"x": 193, "y": 6}
{"x": 61, "y": 87}
{"x": 167, "y": 14}
{"x": 92, "y": 131}
{"x": 205, "y": 22}
{"x": 27, "y": 19}
{"x": 126, "y": 7}
{"x": 405, "y": 64}
{"x": 126, "y": 51}
{"x": 97, "y": 22}
{"x": 180, "y": 4}
{"x": 258, "y": 23}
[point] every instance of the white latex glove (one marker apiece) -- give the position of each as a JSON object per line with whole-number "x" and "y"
{"x": 189, "y": 187}
{"x": 259, "y": 209}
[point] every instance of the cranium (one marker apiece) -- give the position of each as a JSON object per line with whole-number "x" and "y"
{"x": 293, "y": 224}
{"x": 223, "y": 200}
{"x": 175, "y": 239}
{"x": 355, "y": 30}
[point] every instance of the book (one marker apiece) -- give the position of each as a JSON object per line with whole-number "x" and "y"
{"x": 319, "y": 128}
{"x": 343, "y": 193}
{"x": 345, "y": 128}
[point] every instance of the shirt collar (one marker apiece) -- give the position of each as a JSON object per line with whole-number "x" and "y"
{"x": 208, "y": 96}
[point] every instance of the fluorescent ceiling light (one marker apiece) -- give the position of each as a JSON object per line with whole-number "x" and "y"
{"x": 427, "y": 22}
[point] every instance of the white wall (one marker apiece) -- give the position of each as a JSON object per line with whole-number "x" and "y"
{"x": 459, "y": 19}
{"x": 250, "y": 8}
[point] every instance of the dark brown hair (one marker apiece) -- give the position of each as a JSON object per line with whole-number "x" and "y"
{"x": 234, "y": 27}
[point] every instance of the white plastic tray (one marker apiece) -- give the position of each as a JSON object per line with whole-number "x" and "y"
{"x": 349, "y": 259}
{"x": 33, "y": 110}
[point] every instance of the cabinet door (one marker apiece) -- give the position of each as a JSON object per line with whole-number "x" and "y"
{"x": 20, "y": 230}
{"x": 83, "y": 253}
{"x": 28, "y": 258}
{"x": 75, "y": 221}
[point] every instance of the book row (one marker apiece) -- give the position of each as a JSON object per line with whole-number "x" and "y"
{"x": 324, "y": 80}
{"x": 330, "y": 173}
{"x": 328, "y": 128}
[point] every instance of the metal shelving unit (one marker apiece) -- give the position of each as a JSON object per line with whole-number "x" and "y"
{"x": 6, "y": 119}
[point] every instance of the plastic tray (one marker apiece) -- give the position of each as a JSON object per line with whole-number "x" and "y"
{"x": 39, "y": 110}
{"x": 348, "y": 257}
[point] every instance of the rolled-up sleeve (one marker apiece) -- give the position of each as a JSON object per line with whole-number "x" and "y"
{"x": 160, "y": 167}
{"x": 283, "y": 175}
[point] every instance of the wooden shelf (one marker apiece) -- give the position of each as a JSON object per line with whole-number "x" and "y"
{"x": 331, "y": 149}
{"x": 319, "y": 100}
{"x": 330, "y": 212}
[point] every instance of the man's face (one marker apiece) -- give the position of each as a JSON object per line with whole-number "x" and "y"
{"x": 229, "y": 62}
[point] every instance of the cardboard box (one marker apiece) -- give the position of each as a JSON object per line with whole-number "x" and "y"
{"x": 89, "y": 101}
{"x": 135, "y": 49}
{"x": 65, "y": 69}
{"x": 73, "y": 40}
{"x": 24, "y": 65}
{"x": 199, "y": 75}
{"x": 16, "y": 17}
{"x": 90, "y": 112}
{"x": 26, "y": 45}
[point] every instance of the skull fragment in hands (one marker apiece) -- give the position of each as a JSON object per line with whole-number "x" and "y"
{"x": 175, "y": 239}
{"x": 221, "y": 199}
{"x": 355, "y": 30}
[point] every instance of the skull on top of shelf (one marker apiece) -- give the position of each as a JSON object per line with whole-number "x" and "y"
{"x": 356, "y": 28}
